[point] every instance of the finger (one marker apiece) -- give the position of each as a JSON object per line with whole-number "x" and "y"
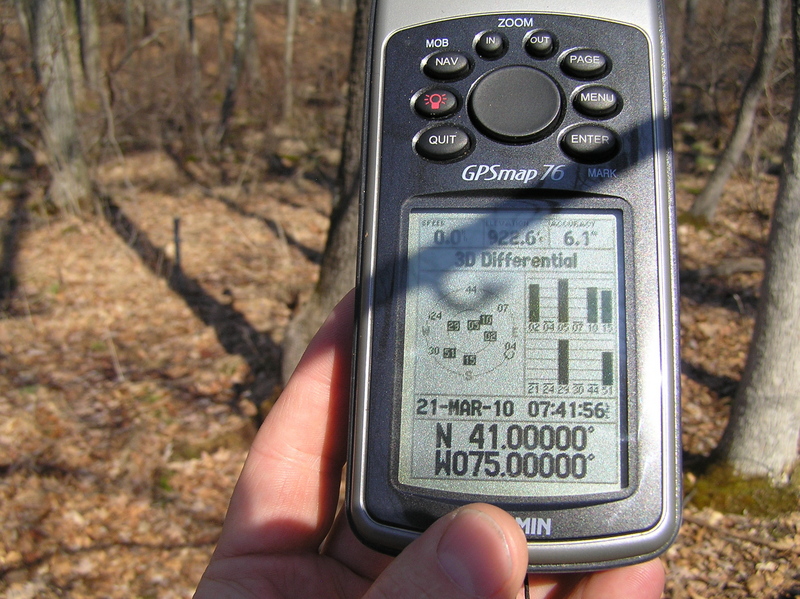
{"x": 285, "y": 498}
{"x": 343, "y": 546}
{"x": 550, "y": 586}
{"x": 476, "y": 551}
{"x": 643, "y": 581}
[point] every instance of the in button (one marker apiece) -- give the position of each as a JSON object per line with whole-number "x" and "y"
{"x": 491, "y": 45}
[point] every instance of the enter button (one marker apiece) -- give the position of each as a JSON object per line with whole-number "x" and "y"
{"x": 590, "y": 143}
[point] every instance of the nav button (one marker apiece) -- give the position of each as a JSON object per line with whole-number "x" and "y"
{"x": 443, "y": 143}
{"x": 446, "y": 66}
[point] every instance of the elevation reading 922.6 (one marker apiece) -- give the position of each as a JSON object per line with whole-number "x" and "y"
{"x": 513, "y": 336}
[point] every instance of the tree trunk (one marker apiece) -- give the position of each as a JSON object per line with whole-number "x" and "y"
{"x": 188, "y": 72}
{"x": 253, "y": 63}
{"x": 338, "y": 270}
{"x": 762, "y": 436}
{"x": 90, "y": 43}
{"x": 190, "y": 37}
{"x": 705, "y": 205}
{"x": 288, "y": 61}
{"x": 222, "y": 14}
{"x": 187, "y": 55}
{"x": 69, "y": 18}
{"x": 237, "y": 63}
{"x": 686, "y": 46}
{"x": 132, "y": 29}
{"x": 70, "y": 189}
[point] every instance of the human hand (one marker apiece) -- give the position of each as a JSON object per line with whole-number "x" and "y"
{"x": 281, "y": 537}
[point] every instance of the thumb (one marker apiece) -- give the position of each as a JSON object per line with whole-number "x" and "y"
{"x": 477, "y": 551}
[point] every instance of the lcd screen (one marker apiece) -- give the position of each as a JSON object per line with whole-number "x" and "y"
{"x": 514, "y": 353}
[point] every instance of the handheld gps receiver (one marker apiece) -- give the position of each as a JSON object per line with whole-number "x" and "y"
{"x": 517, "y": 314}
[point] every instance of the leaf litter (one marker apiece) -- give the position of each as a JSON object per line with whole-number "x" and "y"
{"x": 125, "y": 415}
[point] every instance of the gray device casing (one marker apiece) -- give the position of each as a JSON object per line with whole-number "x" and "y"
{"x": 644, "y": 180}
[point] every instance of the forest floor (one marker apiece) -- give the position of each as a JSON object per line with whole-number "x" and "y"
{"x": 135, "y": 360}
{"x": 128, "y": 401}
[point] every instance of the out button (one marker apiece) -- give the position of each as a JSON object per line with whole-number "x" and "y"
{"x": 443, "y": 143}
{"x": 540, "y": 44}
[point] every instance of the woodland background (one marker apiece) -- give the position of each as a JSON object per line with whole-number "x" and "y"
{"x": 139, "y": 347}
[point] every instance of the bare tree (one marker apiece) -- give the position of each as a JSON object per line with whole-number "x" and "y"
{"x": 337, "y": 272}
{"x": 70, "y": 188}
{"x": 705, "y": 205}
{"x": 288, "y": 61}
{"x": 90, "y": 42}
{"x": 135, "y": 16}
{"x": 69, "y": 17}
{"x": 187, "y": 67}
{"x": 188, "y": 35}
{"x": 683, "y": 47}
{"x": 223, "y": 14}
{"x": 762, "y": 436}
{"x": 243, "y": 16}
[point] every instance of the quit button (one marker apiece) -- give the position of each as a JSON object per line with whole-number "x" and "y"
{"x": 442, "y": 143}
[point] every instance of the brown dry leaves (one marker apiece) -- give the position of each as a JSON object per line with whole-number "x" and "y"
{"x": 122, "y": 425}
{"x": 119, "y": 441}
{"x": 718, "y": 555}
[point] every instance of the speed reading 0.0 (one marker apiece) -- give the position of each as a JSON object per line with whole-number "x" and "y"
{"x": 513, "y": 330}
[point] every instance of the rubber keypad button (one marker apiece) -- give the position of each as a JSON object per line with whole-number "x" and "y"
{"x": 516, "y": 104}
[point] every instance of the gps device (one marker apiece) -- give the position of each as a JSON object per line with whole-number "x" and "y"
{"x": 517, "y": 289}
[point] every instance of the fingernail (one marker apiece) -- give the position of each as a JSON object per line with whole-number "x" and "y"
{"x": 474, "y": 553}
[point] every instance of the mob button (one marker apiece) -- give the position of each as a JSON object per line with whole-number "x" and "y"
{"x": 590, "y": 143}
{"x": 443, "y": 143}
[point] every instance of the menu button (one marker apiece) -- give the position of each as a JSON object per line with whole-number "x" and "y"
{"x": 597, "y": 101}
